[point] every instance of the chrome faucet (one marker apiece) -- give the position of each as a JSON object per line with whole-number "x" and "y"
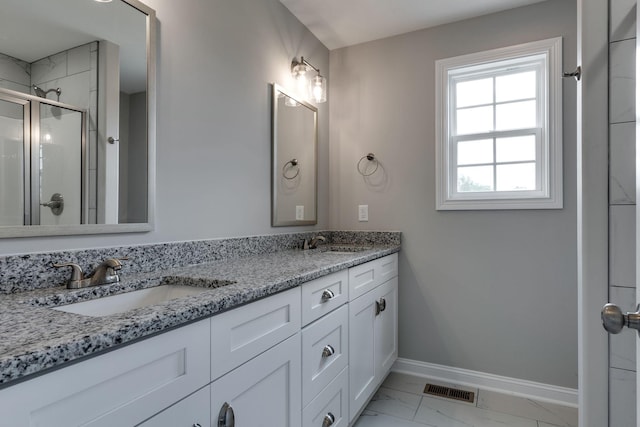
{"x": 312, "y": 243}
{"x": 105, "y": 273}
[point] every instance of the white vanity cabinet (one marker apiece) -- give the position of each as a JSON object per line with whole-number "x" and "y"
{"x": 373, "y": 320}
{"x": 310, "y": 356}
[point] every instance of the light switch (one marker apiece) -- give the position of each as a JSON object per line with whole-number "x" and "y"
{"x": 299, "y": 213}
{"x": 363, "y": 213}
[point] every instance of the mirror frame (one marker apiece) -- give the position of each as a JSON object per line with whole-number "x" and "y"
{"x": 275, "y": 170}
{"x": 79, "y": 229}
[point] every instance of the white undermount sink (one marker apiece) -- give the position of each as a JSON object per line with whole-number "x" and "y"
{"x": 120, "y": 303}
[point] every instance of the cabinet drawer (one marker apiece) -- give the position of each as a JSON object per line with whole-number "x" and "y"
{"x": 324, "y": 352}
{"x": 121, "y": 388}
{"x": 189, "y": 412}
{"x": 364, "y": 277}
{"x": 323, "y": 295}
{"x": 242, "y": 333}
{"x": 332, "y": 402}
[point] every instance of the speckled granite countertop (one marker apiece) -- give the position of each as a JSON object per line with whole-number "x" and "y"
{"x": 36, "y": 338}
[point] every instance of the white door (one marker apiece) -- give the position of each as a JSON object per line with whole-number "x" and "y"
{"x": 593, "y": 235}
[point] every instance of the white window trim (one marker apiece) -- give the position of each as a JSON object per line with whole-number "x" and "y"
{"x": 551, "y": 195}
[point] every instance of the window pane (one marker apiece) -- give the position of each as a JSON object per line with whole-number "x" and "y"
{"x": 474, "y": 120}
{"x": 516, "y": 86}
{"x": 474, "y": 92}
{"x": 475, "y": 179}
{"x": 516, "y": 115}
{"x": 475, "y": 152}
{"x": 516, "y": 149}
{"x": 518, "y": 177}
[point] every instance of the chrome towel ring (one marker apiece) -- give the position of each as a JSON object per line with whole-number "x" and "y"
{"x": 370, "y": 157}
{"x": 294, "y": 164}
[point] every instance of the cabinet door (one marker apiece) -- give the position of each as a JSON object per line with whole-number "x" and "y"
{"x": 192, "y": 411}
{"x": 386, "y": 333}
{"x": 264, "y": 392}
{"x": 362, "y": 368}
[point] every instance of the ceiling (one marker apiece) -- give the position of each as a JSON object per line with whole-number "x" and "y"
{"x": 340, "y": 23}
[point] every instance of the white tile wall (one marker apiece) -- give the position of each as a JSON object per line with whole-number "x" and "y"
{"x": 622, "y": 18}
{"x": 622, "y": 81}
{"x": 622, "y": 398}
{"x": 622, "y": 281}
{"x": 622, "y": 175}
{"x": 622, "y": 245}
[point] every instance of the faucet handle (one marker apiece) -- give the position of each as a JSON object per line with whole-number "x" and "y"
{"x": 76, "y": 270}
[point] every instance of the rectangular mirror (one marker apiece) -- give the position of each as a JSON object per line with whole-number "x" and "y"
{"x": 294, "y": 160}
{"x": 77, "y": 117}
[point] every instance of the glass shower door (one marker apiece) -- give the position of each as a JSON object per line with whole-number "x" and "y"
{"x": 58, "y": 167}
{"x": 14, "y": 161}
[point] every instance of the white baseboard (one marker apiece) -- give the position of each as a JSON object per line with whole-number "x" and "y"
{"x": 513, "y": 386}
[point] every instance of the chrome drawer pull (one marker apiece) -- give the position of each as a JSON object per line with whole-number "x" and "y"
{"x": 226, "y": 417}
{"x": 327, "y": 295}
{"x": 327, "y": 351}
{"x": 328, "y": 420}
{"x": 383, "y": 304}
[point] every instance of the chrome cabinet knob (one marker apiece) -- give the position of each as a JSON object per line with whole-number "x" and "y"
{"x": 614, "y": 320}
{"x": 327, "y": 295}
{"x": 226, "y": 417}
{"x": 197, "y": 425}
{"x": 328, "y": 420}
{"x": 383, "y": 304}
{"x": 327, "y": 351}
{"x": 378, "y": 310}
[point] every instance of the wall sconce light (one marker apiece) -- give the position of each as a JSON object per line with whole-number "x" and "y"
{"x": 314, "y": 88}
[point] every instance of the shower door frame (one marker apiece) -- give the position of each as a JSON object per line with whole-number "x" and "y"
{"x": 31, "y": 149}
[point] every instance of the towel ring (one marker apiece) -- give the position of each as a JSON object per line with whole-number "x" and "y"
{"x": 370, "y": 157}
{"x": 294, "y": 164}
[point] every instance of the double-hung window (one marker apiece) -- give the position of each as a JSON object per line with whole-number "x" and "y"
{"x": 499, "y": 128}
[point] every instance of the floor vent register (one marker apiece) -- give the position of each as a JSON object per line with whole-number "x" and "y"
{"x": 449, "y": 393}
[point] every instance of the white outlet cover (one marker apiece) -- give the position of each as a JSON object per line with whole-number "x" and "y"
{"x": 299, "y": 213}
{"x": 363, "y": 213}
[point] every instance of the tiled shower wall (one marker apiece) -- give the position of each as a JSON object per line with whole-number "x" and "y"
{"x": 622, "y": 206}
{"x": 75, "y": 72}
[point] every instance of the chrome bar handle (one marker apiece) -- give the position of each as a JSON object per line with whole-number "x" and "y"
{"x": 328, "y": 420}
{"x": 614, "y": 320}
{"x": 226, "y": 417}
{"x": 327, "y": 351}
{"x": 327, "y": 295}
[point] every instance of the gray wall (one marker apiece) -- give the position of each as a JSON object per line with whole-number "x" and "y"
{"x": 216, "y": 59}
{"x": 492, "y": 291}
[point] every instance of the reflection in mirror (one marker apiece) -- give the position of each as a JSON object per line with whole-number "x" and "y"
{"x": 76, "y": 117}
{"x": 294, "y": 148}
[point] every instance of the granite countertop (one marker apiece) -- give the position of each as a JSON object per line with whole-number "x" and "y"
{"x": 36, "y": 338}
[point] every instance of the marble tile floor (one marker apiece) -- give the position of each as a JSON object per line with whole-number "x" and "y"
{"x": 400, "y": 403}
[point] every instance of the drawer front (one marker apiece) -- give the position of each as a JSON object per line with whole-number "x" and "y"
{"x": 120, "y": 388}
{"x": 365, "y": 277}
{"x": 332, "y": 402}
{"x": 323, "y": 295}
{"x": 324, "y": 352}
{"x": 190, "y": 412}
{"x": 242, "y": 333}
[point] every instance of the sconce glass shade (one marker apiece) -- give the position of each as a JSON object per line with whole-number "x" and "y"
{"x": 318, "y": 89}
